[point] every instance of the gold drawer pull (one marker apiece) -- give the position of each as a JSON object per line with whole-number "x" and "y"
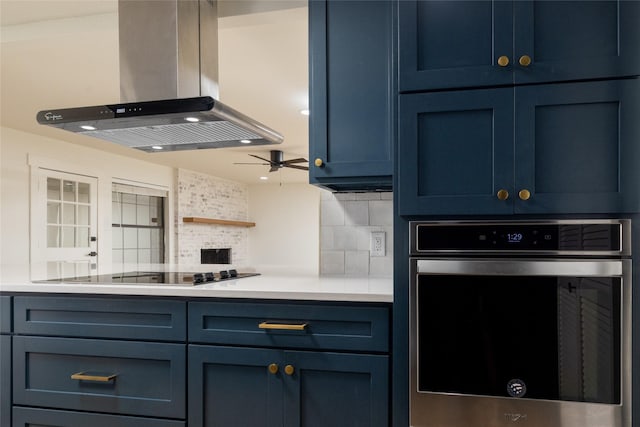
{"x": 283, "y": 326}
{"x": 86, "y": 376}
{"x": 289, "y": 370}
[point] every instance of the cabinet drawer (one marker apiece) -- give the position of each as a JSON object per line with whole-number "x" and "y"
{"x": 31, "y": 417}
{"x": 101, "y": 318}
{"x": 290, "y": 325}
{"x": 5, "y": 314}
{"x": 148, "y": 378}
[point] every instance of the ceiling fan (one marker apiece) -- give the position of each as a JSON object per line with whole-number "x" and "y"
{"x": 277, "y": 161}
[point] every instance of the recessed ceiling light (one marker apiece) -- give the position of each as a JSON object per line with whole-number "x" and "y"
{"x": 304, "y": 112}
{"x": 87, "y": 127}
{"x": 264, "y": 178}
{"x": 157, "y": 147}
{"x": 245, "y": 141}
{"x": 192, "y": 119}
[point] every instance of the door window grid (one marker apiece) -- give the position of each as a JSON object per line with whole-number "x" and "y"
{"x": 137, "y": 228}
{"x": 68, "y": 210}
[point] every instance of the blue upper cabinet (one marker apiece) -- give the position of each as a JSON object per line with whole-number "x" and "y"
{"x": 559, "y": 148}
{"x": 448, "y": 44}
{"x": 352, "y": 93}
{"x": 455, "y": 152}
{"x": 575, "y": 40}
{"x": 466, "y": 44}
{"x": 576, "y": 147}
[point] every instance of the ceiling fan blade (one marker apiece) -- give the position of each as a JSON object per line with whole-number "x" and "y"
{"x": 261, "y": 158}
{"x": 304, "y": 168}
{"x": 274, "y": 168}
{"x": 298, "y": 160}
{"x": 261, "y": 164}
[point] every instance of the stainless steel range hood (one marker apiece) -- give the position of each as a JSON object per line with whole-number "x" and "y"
{"x": 168, "y": 85}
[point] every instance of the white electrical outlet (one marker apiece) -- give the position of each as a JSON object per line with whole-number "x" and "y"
{"x": 378, "y": 243}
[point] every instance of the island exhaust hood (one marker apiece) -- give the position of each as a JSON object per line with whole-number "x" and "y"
{"x": 168, "y": 85}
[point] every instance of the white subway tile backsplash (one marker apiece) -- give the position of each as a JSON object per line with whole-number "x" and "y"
{"x": 347, "y": 221}
{"x": 331, "y": 213}
{"x": 381, "y": 266}
{"x": 326, "y": 237}
{"x": 367, "y": 196}
{"x": 332, "y": 262}
{"x": 345, "y": 238}
{"x": 380, "y": 212}
{"x": 356, "y": 212}
{"x": 356, "y": 263}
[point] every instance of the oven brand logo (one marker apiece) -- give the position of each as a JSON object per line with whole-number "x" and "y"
{"x": 51, "y": 116}
{"x": 514, "y": 418}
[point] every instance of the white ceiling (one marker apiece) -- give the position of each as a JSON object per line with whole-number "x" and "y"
{"x": 57, "y": 54}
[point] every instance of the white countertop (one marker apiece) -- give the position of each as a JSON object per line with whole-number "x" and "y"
{"x": 271, "y": 285}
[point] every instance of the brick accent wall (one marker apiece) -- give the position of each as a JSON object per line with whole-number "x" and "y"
{"x": 202, "y": 195}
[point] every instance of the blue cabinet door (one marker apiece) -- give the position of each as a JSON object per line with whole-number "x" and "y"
{"x": 455, "y": 152}
{"x": 466, "y": 44}
{"x": 338, "y": 390}
{"x": 352, "y": 93}
{"x": 37, "y": 417}
{"x": 109, "y": 376}
{"x": 573, "y": 40}
{"x": 577, "y": 147}
{"x": 234, "y": 386}
{"x": 5, "y": 380}
{"x": 449, "y": 44}
{"x": 5, "y": 314}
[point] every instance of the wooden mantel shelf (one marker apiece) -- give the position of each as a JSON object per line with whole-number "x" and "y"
{"x": 217, "y": 221}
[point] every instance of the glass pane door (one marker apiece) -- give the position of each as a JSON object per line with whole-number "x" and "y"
{"x": 67, "y": 242}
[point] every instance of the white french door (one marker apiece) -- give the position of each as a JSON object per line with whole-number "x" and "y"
{"x": 64, "y": 224}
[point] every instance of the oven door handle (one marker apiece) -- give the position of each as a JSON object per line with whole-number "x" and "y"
{"x": 502, "y": 267}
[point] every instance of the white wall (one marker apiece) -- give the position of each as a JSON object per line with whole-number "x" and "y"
{"x": 286, "y": 235}
{"x": 18, "y": 149}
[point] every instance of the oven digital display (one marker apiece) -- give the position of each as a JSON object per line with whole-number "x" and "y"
{"x": 514, "y": 237}
{"x": 521, "y": 237}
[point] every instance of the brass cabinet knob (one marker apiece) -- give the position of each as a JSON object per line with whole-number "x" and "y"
{"x": 273, "y": 368}
{"x": 318, "y": 162}
{"x": 503, "y": 61}
{"x": 502, "y": 194}
{"x": 525, "y": 60}
{"x": 289, "y": 370}
{"x": 524, "y": 194}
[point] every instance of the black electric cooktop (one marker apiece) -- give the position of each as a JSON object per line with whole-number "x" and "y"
{"x": 173, "y": 278}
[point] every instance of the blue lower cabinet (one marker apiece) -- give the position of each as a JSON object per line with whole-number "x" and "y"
{"x": 5, "y": 380}
{"x": 5, "y": 314}
{"x": 334, "y": 389}
{"x": 119, "y": 318}
{"x": 34, "y": 417}
{"x": 115, "y": 377}
{"x": 236, "y": 386}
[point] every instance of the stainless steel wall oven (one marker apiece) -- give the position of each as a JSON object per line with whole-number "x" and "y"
{"x": 520, "y": 323}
